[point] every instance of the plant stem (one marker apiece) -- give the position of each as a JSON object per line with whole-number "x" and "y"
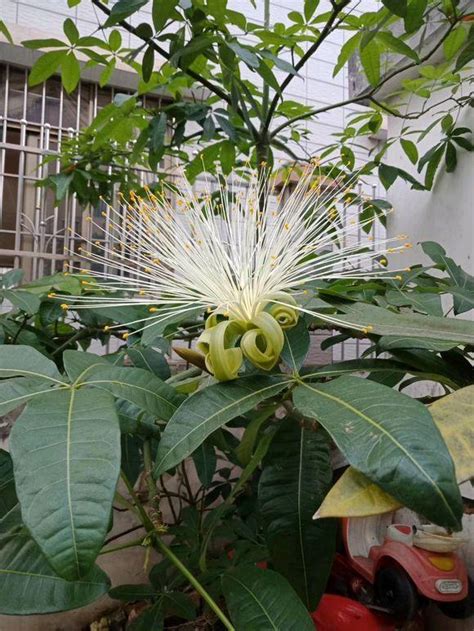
{"x": 195, "y": 583}
{"x": 123, "y": 546}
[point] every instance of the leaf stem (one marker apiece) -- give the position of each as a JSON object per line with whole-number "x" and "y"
{"x": 195, "y": 583}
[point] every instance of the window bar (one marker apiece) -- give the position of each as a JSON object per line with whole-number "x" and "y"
{"x": 20, "y": 190}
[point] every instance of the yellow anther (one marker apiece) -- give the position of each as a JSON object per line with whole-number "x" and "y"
{"x": 408, "y": 245}
{"x": 88, "y": 219}
{"x": 407, "y": 269}
{"x": 85, "y": 282}
{"x": 398, "y": 277}
{"x": 52, "y": 295}
{"x": 125, "y": 336}
{"x": 383, "y": 261}
{"x": 69, "y": 229}
{"x": 287, "y": 226}
{"x": 64, "y": 306}
{"x": 106, "y": 328}
{"x": 66, "y": 274}
{"x": 142, "y": 292}
{"x": 153, "y": 309}
{"x": 104, "y": 214}
{"x": 369, "y": 327}
{"x": 147, "y": 270}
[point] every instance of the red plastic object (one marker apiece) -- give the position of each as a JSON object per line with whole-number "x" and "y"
{"x": 337, "y": 613}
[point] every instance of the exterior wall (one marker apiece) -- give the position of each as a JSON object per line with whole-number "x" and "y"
{"x": 446, "y": 214}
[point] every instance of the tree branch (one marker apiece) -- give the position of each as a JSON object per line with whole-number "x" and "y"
{"x": 368, "y": 94}
{"x": 194, "y": 75}
{"x": 328, "y": 28}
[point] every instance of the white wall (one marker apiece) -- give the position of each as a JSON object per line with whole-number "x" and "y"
{"x": 445, "y": 214}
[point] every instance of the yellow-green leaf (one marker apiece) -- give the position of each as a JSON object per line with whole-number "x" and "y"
{"x": 354, "y": 495}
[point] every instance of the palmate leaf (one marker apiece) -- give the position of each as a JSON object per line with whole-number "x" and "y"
{"x": 296, "y": 476}
{"x": 392, "y": 439}
{"x": 354, "y": 495}
{"x": 66, "y": 453}
{"x": 262, "y": 600}
{"x": 28, "y": 585}
{"x": 137, "y": 386}
{"x": 25, "y": 361}
{"x": 207, "y": 410}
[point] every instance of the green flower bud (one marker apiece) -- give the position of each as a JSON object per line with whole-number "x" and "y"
{"x": 285, "y": 314}
{"x": 263, "y": 344}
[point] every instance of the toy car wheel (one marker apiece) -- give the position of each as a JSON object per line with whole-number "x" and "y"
{"x": 460, "y": 609}
{"x": 395, "y": 591}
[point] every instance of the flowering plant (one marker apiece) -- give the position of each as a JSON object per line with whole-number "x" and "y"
{"x": 246, "y": 282}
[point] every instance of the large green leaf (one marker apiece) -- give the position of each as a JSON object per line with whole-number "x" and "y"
{"x": 206, "y": 411}
{"x": 149, "y": 359}
{"x": 8, "y": 498}
{"x": 14, "y": 392}
{"x": 66, "y": 453}
{"x": 354, "y": 495}
{"x": 25, "y": 361}
{"x": 28, "y": 585}
{"x": 296, "y": 346}
{"x": 78, "y": 364}
{"x": 392, "y": 439}
{"x": 385, "y": 322}
{"x": 262, "y": 600}
{"x": 137, "y": 386}
{"x": 297, "y": 475}
{"x": 389, "y": 342}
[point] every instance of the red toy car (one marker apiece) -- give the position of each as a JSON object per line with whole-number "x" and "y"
{"x": 398, "y": 566}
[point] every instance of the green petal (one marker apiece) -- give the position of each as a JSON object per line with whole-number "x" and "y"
{"x": 223, "y": 358}
{"x": 286, "y": 315}
{"x": 263, "y": 345}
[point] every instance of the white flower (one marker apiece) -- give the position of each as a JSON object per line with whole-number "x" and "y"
{"x": 224, "y": 254}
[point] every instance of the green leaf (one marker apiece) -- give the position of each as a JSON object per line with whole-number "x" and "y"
{"x": 463, "y": 300}
{"x": 148, "y": 63}
{"x": 149, "y": 359}
{"x": 178, "y": 604}
{"x": 387, "y": 175}
{"x": 310, "y": 7}
{"x": 43, "y": 43}
{"x": 24, "y": 361}
{"x": 347, "y": 50}
{"x": 246, "y": 54}
{"x": 122, "y": 9}
{"x": 137, "y": 386}
{"x": 403, "y": 453}
{"x": 296, "y": 476}
{"x": 297, "y": 341}
{"x": 28, "y": 585}
{"x": 386, "y": 322}
{"x": 397, "y": 7}
{"x": 415, "y": 15}
{"x": 396, "y": 44}
{"x": 130, "y": 593}
{"x": 205, "y": 462}
{"x": 161, "y": 12}
{"x": 217, "y": 8}
{"x": 261, "y": 600}
{"x": 66, "y": 452}
{"x": 410, "y": 150}
{"x": 5, "y": 32}
{"x": 46, "y": 66}
{"x": 370, "y": 59}
{"x": 467, "y": 53}
{"x": 207, "y": 410}
{"x": 24, "y": 300}
{"x": 248, "y": 441}
{"x": 8, "y": 498}
{"x": 227, "y": 156}
{"x": 70, "y": 30}
{"x": 70, "y": 72}
{"x": 150, "y": 619}
{"x": 451, "y": 158}
{"x": 454, "y": 41}
{"x": 389, "y": 342}
{"x": 354, "y": 495}
{"x": 78, "y": 363}
{"x": 15, "y": 392}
